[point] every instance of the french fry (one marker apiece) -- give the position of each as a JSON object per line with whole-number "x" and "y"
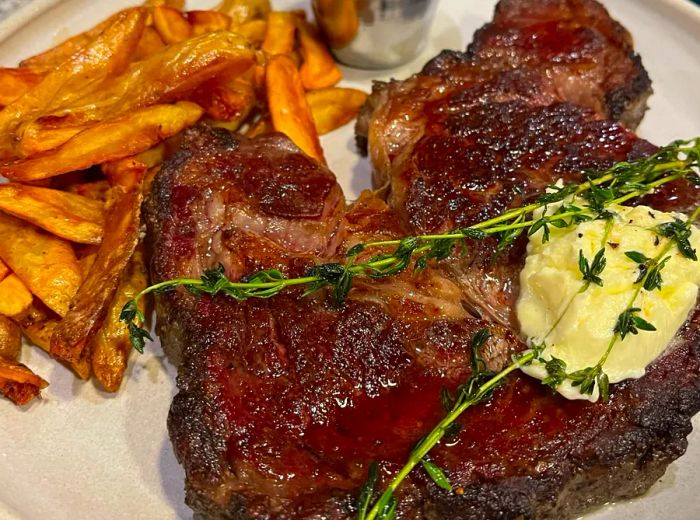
{"x": 35, "y": 137}
{"x": 167, "y": 76}
{"x": 334, "y": 107}
{"x": 128, "y": 135}
{"x": 53, "y": 57}
{"x": 242, "y": 11}
{"x": 279, "y": 36}
{"x": 10, "y": 339}
{"x": 15, "y": 298}
{"x": 4, "y": 270}
{"x": 230, "y": 103}
{"x": 171, "y": 24}
{"x": 318, "y": 69}
{"x": 89, "y": 307}
{"x": 108, "y": 55}
{"x": 338, "y": 20}
{"x": 46, "y": 264}
{"x": 150, "y": 43}
{"x": 263, "y": 125}
{"x": 66, "y": 215}
{"x": 253, "y": 30}
{"x": 111, "y": 346}
{"x": 176, "y": 4}
{"x": 95, "y": 190}
{"x": 289, "y": 110}
{"x": 14, "y": 83}
{"x": 208, "y": 21}
{"x": 19, "y": 384}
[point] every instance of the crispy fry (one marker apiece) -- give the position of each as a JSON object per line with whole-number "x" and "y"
{"x": 10, "y": 339}
{"x": 263, "y": 125}
{"x": 176, "y": 4}
{"x": 253, "y": 30}
{"x": 108, "y": 55}
{"x": 128, "y": 135}
{"x": 89, "y": 307}
{"x": 52, "y": 58}
{"x": 111, "y": 346}
{"x": 338, "y": 20}
{"x": 15, "y": 298}
{"x": 242, "y": 11}
{"x": 208, "y": 21}
{"x": 331, "y": 108}
{"x": 45, "y": 263}
{"x": 38, "y": 324}
{"x": 171, "y": 24}
{"x": 40, "y": 136}
{"x": 150, "y": 43}
{"x": 66, "y": 215}
{"x": 19, "y": 384}
{"x": 167, "y": 76}
{"x": 4, "y": 270}
{"x": 14, "y": 83}
{"x": 95, "y": 190}
{"x": 279, "y": 37}
{"x": 318, "y": 69}
{"x": 231, "y": 103}
{"x": 288, "y": 108}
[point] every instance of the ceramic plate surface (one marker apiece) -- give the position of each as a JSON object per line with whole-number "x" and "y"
{"x": 80, "y": 453}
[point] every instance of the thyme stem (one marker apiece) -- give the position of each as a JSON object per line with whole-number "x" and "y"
{"x": 438, "y": 432}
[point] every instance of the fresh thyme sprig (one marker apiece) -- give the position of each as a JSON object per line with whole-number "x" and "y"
{"x": 479, "y": 387}
{"x": 616, "y": 185}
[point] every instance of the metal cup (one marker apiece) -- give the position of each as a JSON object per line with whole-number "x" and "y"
{"x": 375, "y": 34}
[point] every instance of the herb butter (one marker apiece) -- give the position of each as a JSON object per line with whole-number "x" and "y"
{"x": 577, "y": 325}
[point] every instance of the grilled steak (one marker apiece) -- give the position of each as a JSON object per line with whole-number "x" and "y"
{"x": 284, "y": 402}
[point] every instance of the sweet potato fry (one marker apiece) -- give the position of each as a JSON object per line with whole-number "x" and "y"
{"x": 253, "y": 30}
{"x": 242, "y": 11}
{"x": 279, "y": 36}
{"x": 64, "y": 214}
{"x": 45, "y": 263}
{"x": 171, "y": 24}
{"x": 165, "y": 77}
{"x": 15, "y": 298}
{"x": 208, "y": 21}
{"x": 289, "y": 111}
{"x": 14, "y": 83}
{"x": 128, "y": 135}
{"x": 334, "y": 107}
{"x": 109, "y": 54}
{"x": 318, "y": 69}
{"x": 338, "y": 20}
{"x": 89, "y": 307}
{"x": 10, "y": 339}
{"x": 111, "y": 346}
{"x": 19, "y": 384}
{"x": 150, "y": 43}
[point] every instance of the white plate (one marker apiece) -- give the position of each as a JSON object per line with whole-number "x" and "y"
{"x": 81, "y": 453}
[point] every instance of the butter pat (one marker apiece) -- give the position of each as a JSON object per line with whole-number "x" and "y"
{"x": 577, "y": 326}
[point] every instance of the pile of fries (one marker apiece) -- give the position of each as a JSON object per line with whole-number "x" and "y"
{"x": 85, "y": 126}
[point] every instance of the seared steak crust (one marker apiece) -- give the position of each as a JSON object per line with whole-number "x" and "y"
{"x": 283, "y": 403}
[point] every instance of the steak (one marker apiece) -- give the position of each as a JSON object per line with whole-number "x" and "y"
{"x": 283, "y": 403}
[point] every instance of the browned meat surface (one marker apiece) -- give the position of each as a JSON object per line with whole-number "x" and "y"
{"x": 284, "y": 402}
